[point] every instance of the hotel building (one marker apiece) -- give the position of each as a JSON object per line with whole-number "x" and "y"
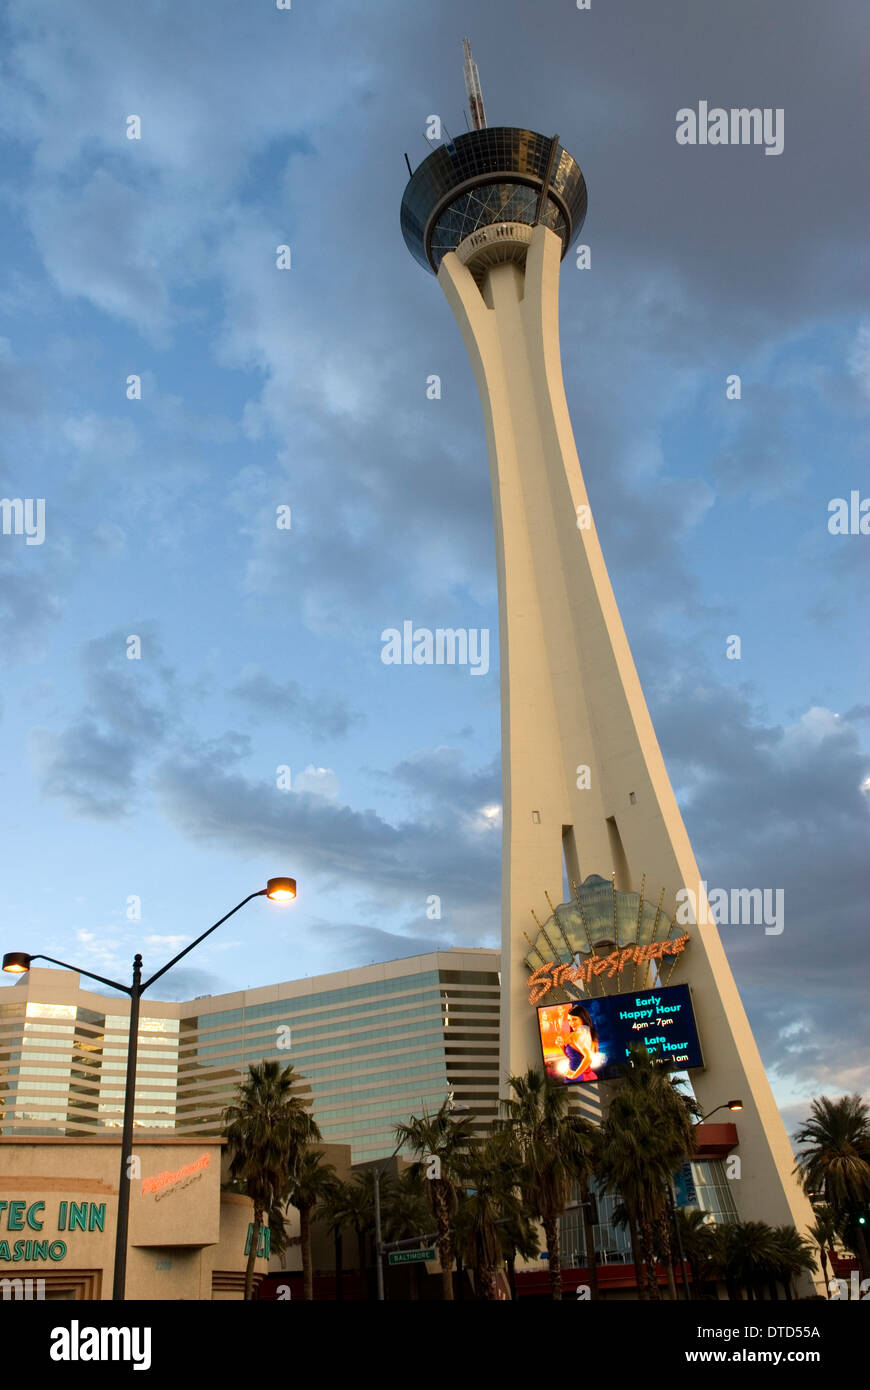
{"x": 372, "y": 1047}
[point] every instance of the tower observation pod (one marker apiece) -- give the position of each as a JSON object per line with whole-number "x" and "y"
{"x": 585, "y": 790}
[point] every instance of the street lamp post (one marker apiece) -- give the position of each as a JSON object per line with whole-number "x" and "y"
{"x": 19, "y": 962}
{"x": 379, "y": 1259}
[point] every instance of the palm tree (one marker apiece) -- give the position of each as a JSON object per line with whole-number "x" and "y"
{"x": 823, "y": 1232}
{"x": 310, "y": 1186}
{"x": 332, "y": 1209}
{"x": 836, "y": 1162}
{"x": 650, "y": 1126}
{"x": 405, "y": 1213}
{"x": 492, "y": 1172}
{"x": 517, "y": 1231}
{"x": 519, "y": 1237}
{"x": 793, "y": 1256}
{"x": 748, "y": 1255}
{"x": 624, "y": 1213}
{"x": 440, "y": 1136}
{"x": 552, "y": 1144}
{"x": 625, "y": 1141}
{"x": 405, "y": 1207}
{"x": 359, "y": 1211}
{"x": 698, "y": 1236}
{"x": 267, "y": 1130}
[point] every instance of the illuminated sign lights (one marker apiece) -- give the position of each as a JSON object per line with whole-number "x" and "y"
{"x": 592, "y": 1040}
{"x": 166, "y": 1182}
{"x": 552, "y": 976}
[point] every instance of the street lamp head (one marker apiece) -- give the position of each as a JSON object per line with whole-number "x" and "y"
{"x": 735, "y": 1105}
{"x": 281, "y": 889}
{"x": 16, "y": 962}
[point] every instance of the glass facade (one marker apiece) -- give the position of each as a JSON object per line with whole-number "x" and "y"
{"x": 715, "y": 1192}
{"x": 486, "y": 204}
{"x": 485, "y": 177}
{"x": 613, "y": 1242}
{"x": 369, "y": 1053}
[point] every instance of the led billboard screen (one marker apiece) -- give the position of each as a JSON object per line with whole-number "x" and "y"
{"x": 590, "y": 1040}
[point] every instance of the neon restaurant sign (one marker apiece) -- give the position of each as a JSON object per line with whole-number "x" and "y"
{"x": 162, "y": 1184}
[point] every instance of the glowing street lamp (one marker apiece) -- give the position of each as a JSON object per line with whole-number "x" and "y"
{"x": 16, "y": 962}
{"x": 281, "y": 889}
{"x": 726, "y": 1105}
{"x": 19, "y": 962}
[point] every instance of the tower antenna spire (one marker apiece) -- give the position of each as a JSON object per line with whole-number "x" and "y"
{"x": 472, "y": 87}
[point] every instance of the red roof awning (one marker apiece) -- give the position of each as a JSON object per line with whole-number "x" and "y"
{"x": 715, "y": 1141}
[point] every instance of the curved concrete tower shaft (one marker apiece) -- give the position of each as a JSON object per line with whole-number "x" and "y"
{"x": 570, "y": 695}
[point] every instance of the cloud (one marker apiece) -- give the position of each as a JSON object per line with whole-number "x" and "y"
{"x": 324, "y": 715}
{"x": 95, "y": 244}
{"x": 29, "y": 605}
{"x": 780, "y": 807}
{"x": 307, "y": 388}
{"x": 859, "y": 358}
{"x": 91, "y": 770}
{"x": 397, "y": 863}
{"x": 318, "y": 781}
{"x": 92, "y": 764}
{"x": 355, "y": 943}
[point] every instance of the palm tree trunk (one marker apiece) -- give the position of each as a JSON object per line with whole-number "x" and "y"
{"x": 663, "y": 1225}
{"x": 636, "y": 1256}
{"x": 442, "y": 1220}
{"x": 861, "y": 1252}
{"x": 551, "y": 1230}
{"x": 305, "y": 1243}
{"x": 339, "y": 1269}
{"x": 649, "y": 1260}
{"x": 361, "y": 1256}
{"x": 252, "y": 1254}
{"x": 824, "y": 1263}
{"x": 512, "y": 1274}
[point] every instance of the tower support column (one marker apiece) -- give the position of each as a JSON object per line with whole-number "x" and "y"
{"x": 582, "y": 770}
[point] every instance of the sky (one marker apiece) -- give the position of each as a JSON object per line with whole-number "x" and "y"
{"x": 147, "y": 777}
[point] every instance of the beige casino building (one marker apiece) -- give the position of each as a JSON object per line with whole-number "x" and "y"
{"x": 58, "y": 1203}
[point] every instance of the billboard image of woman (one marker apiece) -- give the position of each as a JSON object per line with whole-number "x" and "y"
{"x": 570, "y": 1042}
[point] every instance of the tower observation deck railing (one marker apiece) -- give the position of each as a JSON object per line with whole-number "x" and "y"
{"x": 487, "y": 177}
